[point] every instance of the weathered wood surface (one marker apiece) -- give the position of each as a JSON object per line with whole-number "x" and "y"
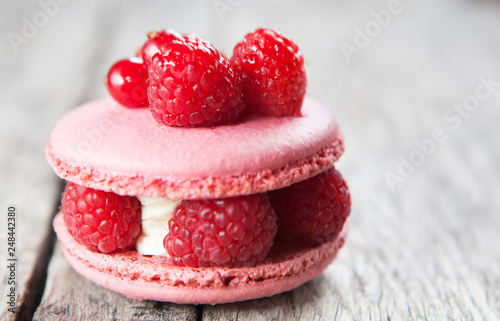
{"x": 68, "y": 296}
{"x": 425, "y": 250}
{"x": 35, "y": 91}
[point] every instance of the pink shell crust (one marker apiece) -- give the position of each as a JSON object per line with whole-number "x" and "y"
{"x": 106, "y": 146}
{"x": 155, "y": 278}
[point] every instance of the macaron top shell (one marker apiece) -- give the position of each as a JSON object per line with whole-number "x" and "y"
{"x": 106, "y": 146}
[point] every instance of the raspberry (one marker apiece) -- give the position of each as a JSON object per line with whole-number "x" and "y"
{"x": 192, "y": 84}
{"x": 229, "y": 232}
{"x": 312, "y": 211}
{"x": 127, "y": 82}
{"x": 102, "y": 221}
{"x": 272, "y": 70}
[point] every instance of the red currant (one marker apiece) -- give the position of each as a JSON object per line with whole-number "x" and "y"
{"x": 156, "y": 41}
{"x": 127, "y": 82}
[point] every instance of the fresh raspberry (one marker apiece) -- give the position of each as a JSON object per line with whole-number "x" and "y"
{"x": 127, "y": 82}
{"x": 312, "y": 211}
{"x": 272, "y": 70}
{"x": 192, "y": 84}
{"x": 229, "y": 232}
{"x": 102, "y": 221}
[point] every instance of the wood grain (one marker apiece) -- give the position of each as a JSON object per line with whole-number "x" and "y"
{"x": 28, "y": 113}
{"x": 69, "y": 296}
{"x": 427, "y": 250}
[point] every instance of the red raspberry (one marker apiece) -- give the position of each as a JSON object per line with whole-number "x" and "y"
{"x": 101, "y": 221}
{"x": 127, "y": 82}
{"x": 192, "y": 84}
{"x": 229, "y": 232}
{"x": 272, "y": 69}
{"x": 312, "y": 211}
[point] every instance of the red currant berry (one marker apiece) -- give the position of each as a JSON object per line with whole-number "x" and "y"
{"x": 158, "y": 41}
{"x": 127, "y": 82}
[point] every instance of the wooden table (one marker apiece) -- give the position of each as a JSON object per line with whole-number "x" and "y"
{"x": 415, "y": 87}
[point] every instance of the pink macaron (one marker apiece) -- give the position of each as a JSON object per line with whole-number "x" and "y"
{"x": 104, "y": 146}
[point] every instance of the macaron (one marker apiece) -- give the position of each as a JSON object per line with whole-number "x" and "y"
{"x": 128, "y": 155}
{"x": 107, "y": 147}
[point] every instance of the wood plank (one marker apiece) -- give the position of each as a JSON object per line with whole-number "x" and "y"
{"x": 69, "y": 296}
{"x": 30, "y": 103}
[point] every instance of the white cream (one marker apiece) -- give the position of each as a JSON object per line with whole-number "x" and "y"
{"x": 156, "y": 212}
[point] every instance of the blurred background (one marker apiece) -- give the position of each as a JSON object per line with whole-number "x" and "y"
{"x": 415, "y": 86}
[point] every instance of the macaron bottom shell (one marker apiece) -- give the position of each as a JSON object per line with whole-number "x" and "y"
{"x": 156, "y": 278}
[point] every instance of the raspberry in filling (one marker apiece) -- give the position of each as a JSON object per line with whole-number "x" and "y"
{"x": 312, "y": 211}
{"x": 229, "y": 232}
{"x": 102, "y": 221}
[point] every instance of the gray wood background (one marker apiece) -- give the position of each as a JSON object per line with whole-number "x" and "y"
{"x": 422, "y": 246}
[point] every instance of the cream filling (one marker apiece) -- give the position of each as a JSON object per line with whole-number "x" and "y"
{"x": 156, "y": 212}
